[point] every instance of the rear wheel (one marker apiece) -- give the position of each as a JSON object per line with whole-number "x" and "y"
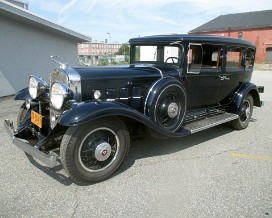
{"x": 245, "y": 113}
{"x": 94, "y": 151}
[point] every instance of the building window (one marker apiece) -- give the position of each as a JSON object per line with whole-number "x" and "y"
{"x": 268, "y": 55}
{"x": 240, "y": 35}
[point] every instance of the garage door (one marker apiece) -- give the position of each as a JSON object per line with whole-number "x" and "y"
{"x": 268, "y": 55}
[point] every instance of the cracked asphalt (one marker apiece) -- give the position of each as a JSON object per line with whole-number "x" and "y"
{"x": 218, "y": 172}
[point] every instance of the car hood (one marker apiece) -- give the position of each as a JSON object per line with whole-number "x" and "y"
{"x": 128, "y": 71}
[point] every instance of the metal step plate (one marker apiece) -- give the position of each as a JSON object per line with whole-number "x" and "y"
{"x": 210, "y": 122}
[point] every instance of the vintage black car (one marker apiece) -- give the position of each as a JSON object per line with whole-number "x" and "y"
{"x": 175, "y": 85}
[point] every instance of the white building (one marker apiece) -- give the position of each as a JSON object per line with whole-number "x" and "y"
{"x": 27, "y": 42}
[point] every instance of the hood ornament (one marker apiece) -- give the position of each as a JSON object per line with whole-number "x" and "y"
{"x": 59, "y": 60}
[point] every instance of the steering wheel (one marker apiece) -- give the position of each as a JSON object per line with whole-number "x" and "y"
{"x": 174, "y": 60}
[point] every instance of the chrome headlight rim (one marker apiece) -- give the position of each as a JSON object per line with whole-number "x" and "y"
{"x": 60, "y": 94}
{"x": 36, "y": 86}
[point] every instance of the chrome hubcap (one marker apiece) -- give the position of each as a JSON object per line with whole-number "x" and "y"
{"x": 102, "y": 151}
{"x": 248, "y": 112}
{"x": 173, "y": 110}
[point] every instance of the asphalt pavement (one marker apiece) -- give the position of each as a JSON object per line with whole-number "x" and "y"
{"x": 218, "y": 172}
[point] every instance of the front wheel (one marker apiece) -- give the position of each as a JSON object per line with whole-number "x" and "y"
{"x": 245, "y": 113}
{"x": 94, "y": 151}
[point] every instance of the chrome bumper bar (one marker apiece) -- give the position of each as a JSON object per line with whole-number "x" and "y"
{"x": 49, "y": 159}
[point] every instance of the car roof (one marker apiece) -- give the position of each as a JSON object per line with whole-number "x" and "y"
{"x": 160, "y": 39}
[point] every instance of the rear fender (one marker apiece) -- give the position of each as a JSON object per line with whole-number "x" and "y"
{"x": 243, "y": 91}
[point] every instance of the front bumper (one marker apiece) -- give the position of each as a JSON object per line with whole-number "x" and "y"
{"x": 49, "y": 159}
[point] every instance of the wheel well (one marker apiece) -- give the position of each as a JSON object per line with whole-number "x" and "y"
{"x": 256, "y": 97}
{"x": 136, "y": 129}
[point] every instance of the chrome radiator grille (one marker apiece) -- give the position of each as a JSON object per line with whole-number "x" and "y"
{"x": 70, "y": 78}
{"x": 59, "y": 75}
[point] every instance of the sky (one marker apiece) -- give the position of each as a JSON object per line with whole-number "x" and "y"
{"x": 120, "y": 20}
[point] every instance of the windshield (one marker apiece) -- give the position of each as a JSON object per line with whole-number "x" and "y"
{"x": 162, "y": 54}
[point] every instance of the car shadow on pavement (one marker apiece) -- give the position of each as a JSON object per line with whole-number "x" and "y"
{"x": 151, "y": 147}
{"x": 140, "y": 149}
{"x": 56, "y": 173}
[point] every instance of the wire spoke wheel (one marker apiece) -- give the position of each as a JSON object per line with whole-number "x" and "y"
{"x": 245, "y": 113}
{"x": 94, "y": 151}
{"x": 168, "y": 108}
{"x": 166, "y": 104}
{"x": 98, "y": 149}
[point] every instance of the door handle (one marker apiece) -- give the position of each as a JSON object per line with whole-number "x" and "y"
{"x": 221, "y": 77}
{"x": 224, "y": 78}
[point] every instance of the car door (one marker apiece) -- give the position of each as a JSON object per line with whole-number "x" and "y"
{"x": 233, "y": 74}
{"x": 202, "y": 78}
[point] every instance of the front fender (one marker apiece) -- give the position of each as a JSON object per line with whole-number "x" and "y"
{"x": 91, "y": 110}
{"x": 87, "y": 111}
{"x": 23, "y": 95}
{"x": 246, "y": 88}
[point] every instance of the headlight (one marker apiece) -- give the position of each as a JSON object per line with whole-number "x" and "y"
{"x": 97, "y": 94}
{"x": 36, "y": 86}
{"x": 60, "y": 94}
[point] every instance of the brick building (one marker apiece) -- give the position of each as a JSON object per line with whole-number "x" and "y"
{"x": 90, "y": 52}
{"x": 253, "y": 26}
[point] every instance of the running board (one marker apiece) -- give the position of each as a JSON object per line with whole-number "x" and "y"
{"x": 210, "y": 122}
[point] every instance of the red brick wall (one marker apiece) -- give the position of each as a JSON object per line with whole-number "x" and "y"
{"x": 262, "y": 38}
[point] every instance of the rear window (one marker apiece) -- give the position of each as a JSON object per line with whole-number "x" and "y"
{"x": 234, "y": 57}
{"x": 249, "y": 58}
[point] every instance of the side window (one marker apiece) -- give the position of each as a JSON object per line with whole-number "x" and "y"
{"x": 211, "y": 56}
{"x": 249, "y": 58}
{"x": 234, "y": 57}
{"x": 195, "y": 58}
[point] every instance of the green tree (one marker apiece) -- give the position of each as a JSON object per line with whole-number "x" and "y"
{"x": 123, "y": 50}
{"x": 103, "y": 62}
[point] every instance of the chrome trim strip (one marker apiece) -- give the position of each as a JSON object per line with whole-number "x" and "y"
{"x": 147, "y": 65}
{"x": 110, "y": 99}
{"x": 157, "y": 69}
{"x": 48, "y": 159}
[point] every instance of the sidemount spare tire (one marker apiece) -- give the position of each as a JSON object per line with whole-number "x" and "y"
{"x": 166, "y": 103}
